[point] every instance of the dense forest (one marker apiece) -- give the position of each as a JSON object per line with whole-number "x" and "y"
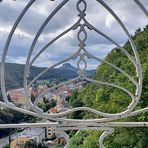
{"x": 111, "y": 100}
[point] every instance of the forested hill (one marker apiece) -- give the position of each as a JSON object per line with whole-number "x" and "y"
{"x": 110, "y": 100}
{"x": 14, "y": 73}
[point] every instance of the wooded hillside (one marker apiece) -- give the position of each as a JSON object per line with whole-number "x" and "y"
{"x": 111, "y": 100}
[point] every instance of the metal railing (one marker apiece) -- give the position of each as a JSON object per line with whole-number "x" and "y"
{"x": 107, "y": 122}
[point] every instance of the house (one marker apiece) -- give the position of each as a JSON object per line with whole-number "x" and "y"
{"x": 53, "y": 111}
{"x": 42, "y": 88}
{"x": 19, "y": 142}
{"x": 50, "y": 131}
{"x": 37, "y": 134}
{"x": 59, "y": 107}
{"x": 57, "y": 99}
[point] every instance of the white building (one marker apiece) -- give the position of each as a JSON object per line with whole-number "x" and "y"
{"x": 37, "y": 134}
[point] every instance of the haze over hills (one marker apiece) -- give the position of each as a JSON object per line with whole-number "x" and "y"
{"x": 14, "y": 73}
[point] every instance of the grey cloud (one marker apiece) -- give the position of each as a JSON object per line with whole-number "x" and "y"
{"x": 128, "y": 11}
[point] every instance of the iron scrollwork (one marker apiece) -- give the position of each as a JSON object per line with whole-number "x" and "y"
{"x": 106, "y": 123}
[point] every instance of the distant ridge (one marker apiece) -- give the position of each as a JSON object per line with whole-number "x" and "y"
{"x": 14, "y": 73}
{"x": 68, "y": 66}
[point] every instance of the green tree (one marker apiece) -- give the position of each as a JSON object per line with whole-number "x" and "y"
{"x": 112, "y": 100}
{"x": 6, "y": 146}
{"x": 34, "y": 144}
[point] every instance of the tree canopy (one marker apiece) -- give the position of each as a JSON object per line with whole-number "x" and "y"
{"x": 111, "y": 100}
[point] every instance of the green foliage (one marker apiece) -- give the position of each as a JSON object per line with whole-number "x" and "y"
{"x": 31, "y": 144}
{"x": 76, "y": 141}
{"x": 48, "y": 104}
{"x": 112, "y": 100}
{"x": 67, "y": 98}
{"x": 6, "y": 146}
{"x": 8, "y": 116}
{"x": 34, "y": 144}
{"x": 76, "y": 102}
{"x": 59, "y": 146}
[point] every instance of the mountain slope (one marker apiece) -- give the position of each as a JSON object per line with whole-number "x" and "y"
{"x": 14, "y": 73}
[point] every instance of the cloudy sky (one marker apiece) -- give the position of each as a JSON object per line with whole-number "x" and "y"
{"x": 127, "y": 10}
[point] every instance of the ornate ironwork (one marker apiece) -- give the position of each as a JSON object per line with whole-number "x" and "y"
{"x": 106, "y": 123}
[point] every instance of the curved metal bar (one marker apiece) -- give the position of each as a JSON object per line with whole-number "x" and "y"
{"x": 13, "y": 107}
{"x": 141, "y": 7}
{"x": 112, "y": 85}
{"x": 134, "y": 99}
{"x": 39, "y": 33}
{"x": 113, "y": 118}
{"x": 134, "y": 113}
{"x": 71, "y": 126}
{"x": 91, "y": 27}
{"x": 55, "y": 39}
{"x": 138, "y": 67}
{"x": 3, "y": 89}
{"x": 53, "y": 66}
{"x": 75, "y": 120}
{"x": 113, "y": 66}
{"x": 107, "y": 115}
{"x": 83, "y": 108}
{"x": 103, "y": 136}
{"x": 27, "y": 66}
{"x": 123, "y": 27}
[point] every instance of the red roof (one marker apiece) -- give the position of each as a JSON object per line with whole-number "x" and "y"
{"x": 53, "y": 110}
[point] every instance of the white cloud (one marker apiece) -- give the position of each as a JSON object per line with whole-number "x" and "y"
{"x": 109, "y": 20}
{"x": 18, "y": 31}
{"x": 129, "y": 13}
